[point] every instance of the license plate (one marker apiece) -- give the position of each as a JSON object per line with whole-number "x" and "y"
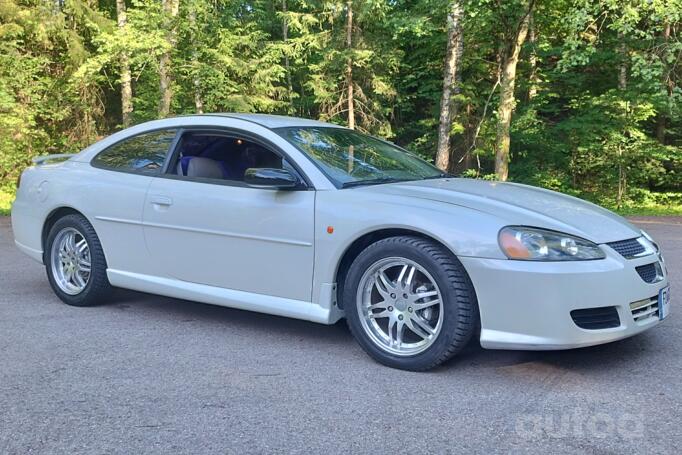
{"x": 663, "y": 302}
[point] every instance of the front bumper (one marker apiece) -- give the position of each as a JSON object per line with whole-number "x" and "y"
{"x": 527, "y": 305}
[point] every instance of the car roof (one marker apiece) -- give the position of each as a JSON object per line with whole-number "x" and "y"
{"x": 276, "y": 121}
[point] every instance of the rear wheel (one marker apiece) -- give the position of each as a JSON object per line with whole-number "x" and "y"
{"x": 409, "y": 303}
{"x": 75, "y": 263}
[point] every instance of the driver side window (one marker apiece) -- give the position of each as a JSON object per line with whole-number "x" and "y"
{"x": 222, "y": 157}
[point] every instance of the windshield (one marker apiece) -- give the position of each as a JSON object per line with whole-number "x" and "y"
{"x": 350, "y": 158}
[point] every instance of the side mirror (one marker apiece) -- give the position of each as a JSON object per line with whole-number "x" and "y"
{"x": 274, "y": 179}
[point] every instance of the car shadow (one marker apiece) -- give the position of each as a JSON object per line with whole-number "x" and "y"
{"x": 588, "y": 360}
{"x": 592, "y": 360}
{"x": 188, "y": 311}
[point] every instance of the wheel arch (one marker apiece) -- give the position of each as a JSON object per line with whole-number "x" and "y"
{"x": 363, "y": 241}
{"x": 54, "y": 216}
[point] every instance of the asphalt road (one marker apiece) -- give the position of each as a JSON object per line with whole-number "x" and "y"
{"x": 148, "y": 374}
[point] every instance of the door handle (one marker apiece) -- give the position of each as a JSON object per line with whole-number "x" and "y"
{"x": 161, "y": 200}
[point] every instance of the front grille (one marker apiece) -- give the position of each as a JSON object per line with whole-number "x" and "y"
{"x": 643, "y": 310}
{"x": 649, "y": 272}
{"x": 605, "y": 317}
{"x": 628, "y": 248}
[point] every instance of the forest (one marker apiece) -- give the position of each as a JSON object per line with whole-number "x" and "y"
{"x": 578, "y": 96}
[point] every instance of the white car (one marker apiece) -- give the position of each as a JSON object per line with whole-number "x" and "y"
{"x": 309, "y": 220}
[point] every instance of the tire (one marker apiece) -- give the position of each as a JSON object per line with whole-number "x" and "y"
{"x": 450, "y": 322}
{"x": 96, "y": 286}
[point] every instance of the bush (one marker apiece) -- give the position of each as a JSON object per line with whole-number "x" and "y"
{"x": 6, "y": 199}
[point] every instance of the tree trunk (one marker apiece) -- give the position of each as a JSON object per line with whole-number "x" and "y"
{"x": 507, "y": 100}
{"x": 349, "y": 65}
{"x": 666, "y": 81}
{"x": 622, "y": 86}
{"x": 452, "y": 61}
{"x": 623, "y": 67}
{"x": 170, "y": 10}
{"x": 126, "y": 84}
{"x": 285, "y": 38}
{"x": 454, "y": 112}
{"x": 196, "y": 81}
{"x": 532, "y": 60}
{"x": 470, "y": 130}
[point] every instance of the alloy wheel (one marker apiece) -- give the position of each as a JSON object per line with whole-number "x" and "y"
{"x": 400, "y": 306}
{"x": 70, "y": 261}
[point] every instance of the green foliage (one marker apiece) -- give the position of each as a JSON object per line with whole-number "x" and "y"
{"x": 373, "y": 59}
{"x": 6, "y": 199}
{"x": 43, "y": 107}
{"x": 598, "y": 88}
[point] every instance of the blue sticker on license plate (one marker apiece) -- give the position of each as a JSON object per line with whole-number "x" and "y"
{"x": 663, "y": 302}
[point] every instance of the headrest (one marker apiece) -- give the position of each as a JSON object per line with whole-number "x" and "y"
{"x": 205, "y": 168}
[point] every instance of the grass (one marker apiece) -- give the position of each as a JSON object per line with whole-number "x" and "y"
{"x": 6, "y": 200}
{"x": 650, "y": 210}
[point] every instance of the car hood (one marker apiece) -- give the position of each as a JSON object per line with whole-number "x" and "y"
{"x": 517, "y": 204}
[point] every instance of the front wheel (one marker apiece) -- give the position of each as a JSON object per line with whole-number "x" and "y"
{"x": 75, "y": 263}
{"x": 409, "y": 303}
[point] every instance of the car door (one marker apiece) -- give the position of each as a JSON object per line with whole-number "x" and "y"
{"x": 115, "y": 190}
{"x": 232, "y": 236}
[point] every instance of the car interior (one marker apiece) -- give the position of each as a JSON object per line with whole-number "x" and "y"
{"x": 214, "y": 156}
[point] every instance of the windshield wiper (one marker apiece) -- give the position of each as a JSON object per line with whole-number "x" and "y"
{"x": 376, "y": 181}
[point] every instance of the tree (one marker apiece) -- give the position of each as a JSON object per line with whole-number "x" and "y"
{"x": 350, "y": 96}
{"x": 510, "y": 58}
{"x": 350, "y": 75}
{"x": 170, "y": 10}
{"x": 45, "y": 104}
{"x": 666, "y": 80}
{"x": 285, "y": 38}
{"x": 126, "y": 84}
{"x": 226, "y": 57}
{"x": 196, "y": 80}
{"x": 532, "y": 59}
{"x": 583, "y": 96}
{"x": 453, "y": 55}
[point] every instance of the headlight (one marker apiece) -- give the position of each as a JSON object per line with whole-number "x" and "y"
{"x": 532, "y": 244}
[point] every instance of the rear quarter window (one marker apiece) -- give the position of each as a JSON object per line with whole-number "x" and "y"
{"x": 141, "y": 154}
